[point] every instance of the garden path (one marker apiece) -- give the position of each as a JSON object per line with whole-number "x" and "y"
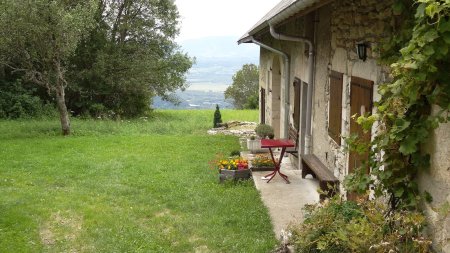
{"x": 285, "y": 201}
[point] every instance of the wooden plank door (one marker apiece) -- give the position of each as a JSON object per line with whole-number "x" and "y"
{"x": 262, "y": 106}
{"x": 361, "y": 94}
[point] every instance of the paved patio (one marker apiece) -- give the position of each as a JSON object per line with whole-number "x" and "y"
{"x": 285, "y": 201}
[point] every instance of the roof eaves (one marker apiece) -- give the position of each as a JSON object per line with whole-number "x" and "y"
{"x": 282, "y": 11}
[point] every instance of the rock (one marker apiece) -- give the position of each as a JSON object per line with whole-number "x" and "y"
{"x": 240, "y": 129}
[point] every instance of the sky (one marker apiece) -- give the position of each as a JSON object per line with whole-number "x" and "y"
{"x": 205, "y": 18}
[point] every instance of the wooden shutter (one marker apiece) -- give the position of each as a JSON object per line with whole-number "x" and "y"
{"x": 335, "y": 106}
{"x": 296, "y": 115}
{"x": 262, "y": 106}
{"x": 360, "y": 97}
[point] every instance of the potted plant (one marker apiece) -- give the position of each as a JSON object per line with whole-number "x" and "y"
{"x": 262, "y": 163}
{"x": 235, "y": 168}
{"x": 253, "y": 144}
{"x": 264, "y": 131}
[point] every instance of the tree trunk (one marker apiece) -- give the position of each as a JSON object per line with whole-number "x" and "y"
{"x": 62, "y": 108}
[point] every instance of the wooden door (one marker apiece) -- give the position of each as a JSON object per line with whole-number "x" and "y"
{"x": 361, "y": 93}
{"x": 262, "y": 106}
{"x": 335, "y": 106}
{"x": 297, "y": 103}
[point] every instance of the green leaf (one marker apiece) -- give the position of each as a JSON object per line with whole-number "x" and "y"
{"x": 444, "y": 26}
{"x": 420, "y": 10}
{"x": 408, "y": 49}
{"x": 401, "y": 124}
{"x": 399, "y": 192}
{"x": 410, "y": 65}
{"x": 398, "y": 7}
{"x": 427, "y": 196}
{"x": 430, "y": 35}
{"x": 409, "y": 145}
{"x": 431, "y": 10}
{"x": 428, "y": 50}
{"x": 446, "y": 37}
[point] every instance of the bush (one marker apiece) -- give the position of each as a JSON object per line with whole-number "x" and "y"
{"x": 217, "y": 117}
{"x": 18, "y": 101}
{"x": 346, "y": 226}
{"x": 263, "y": 131}
{"x": 235, "y": 153}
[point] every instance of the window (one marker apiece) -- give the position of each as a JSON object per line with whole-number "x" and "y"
{"x": 335, "y": 107}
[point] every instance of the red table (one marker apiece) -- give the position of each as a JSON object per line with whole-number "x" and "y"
{"x": 283, "y": 144}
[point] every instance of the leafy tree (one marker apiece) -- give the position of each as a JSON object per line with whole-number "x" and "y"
{"x": 37, "y": 39}
{"x": 244, "y": 89}
{"x": 130, "y": 57}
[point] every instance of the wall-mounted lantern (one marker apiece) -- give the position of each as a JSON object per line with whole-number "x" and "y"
{"x": 361, "y": 50}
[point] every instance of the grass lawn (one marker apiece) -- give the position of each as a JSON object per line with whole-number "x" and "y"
{"x": 129, "y": 186}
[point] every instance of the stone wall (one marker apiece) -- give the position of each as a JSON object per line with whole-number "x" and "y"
{"x": 367, "y": 20}
{"x": 436, "y": 181}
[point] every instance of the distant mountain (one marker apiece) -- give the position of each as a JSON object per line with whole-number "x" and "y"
{"x": 217, "y": 60}
{"x": 195, "y": 99}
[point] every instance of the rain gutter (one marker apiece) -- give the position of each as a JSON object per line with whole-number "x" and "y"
{"x": 286, "y": 81}
{"x": 308, "y": 134}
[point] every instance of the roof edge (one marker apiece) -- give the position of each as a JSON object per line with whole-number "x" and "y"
{"x": 280, "y": 13}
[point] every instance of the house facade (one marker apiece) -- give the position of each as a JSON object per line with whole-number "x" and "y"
{"x": 313, "y": 79}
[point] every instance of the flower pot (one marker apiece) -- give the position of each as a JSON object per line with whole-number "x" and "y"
{"x": 255, "y": 146}
{"x": 234, "y": 175}
{"x": 265, "y": 168}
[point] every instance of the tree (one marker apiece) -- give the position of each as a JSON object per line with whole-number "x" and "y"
{"x": 244, "y": 90}
{"x": 217, "y": 117}
{"x": 130, "y": 57}
{"x": 38, "y": 37}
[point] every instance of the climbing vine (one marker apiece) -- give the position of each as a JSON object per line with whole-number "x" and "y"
{"x": 412, "y": 105}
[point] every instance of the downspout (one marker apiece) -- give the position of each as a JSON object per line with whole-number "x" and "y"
{"x": 307, "y": 147}
{"x": 286, "y": 81}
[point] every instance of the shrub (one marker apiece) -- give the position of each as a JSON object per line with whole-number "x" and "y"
{"x": 18, "y": 101}
{"x": 235, "y": 153}
{"x": 369, "y": 226}
{"x": 217, "y": 116}
{"x": 263, "y": 131}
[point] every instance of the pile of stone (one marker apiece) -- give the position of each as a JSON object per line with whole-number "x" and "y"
{"x": 235, "y": 128}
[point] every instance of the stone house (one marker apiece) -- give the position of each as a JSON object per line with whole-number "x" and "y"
{"x": 313, "y": 79}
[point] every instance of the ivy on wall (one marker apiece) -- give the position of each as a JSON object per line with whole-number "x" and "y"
{"x": 419, "y": 58}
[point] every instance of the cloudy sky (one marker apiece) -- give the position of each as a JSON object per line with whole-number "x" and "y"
{"x": 204, "y": 18}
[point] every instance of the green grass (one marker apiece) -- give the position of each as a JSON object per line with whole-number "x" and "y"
{"x": 131, "y": 186}
{"x": 167, "y": 122}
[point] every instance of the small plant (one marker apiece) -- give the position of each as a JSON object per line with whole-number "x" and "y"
{"x": 262, "y": 161}
{"x": 366, "y": 226}
{"x": 252, "y": 137}
{"x": 231, "y": 163}
{"x": 264, "y": 131}
{"x": 217, "y": 116}
{"x": 235, "y": 153}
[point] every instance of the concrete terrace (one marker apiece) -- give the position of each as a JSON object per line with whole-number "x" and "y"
{"x": 285, "y": 201}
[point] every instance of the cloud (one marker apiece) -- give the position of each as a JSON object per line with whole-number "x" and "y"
{"x": 205, "y": 18}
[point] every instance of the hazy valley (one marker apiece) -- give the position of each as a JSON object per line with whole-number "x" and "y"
{"x": 217, "y": 59}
